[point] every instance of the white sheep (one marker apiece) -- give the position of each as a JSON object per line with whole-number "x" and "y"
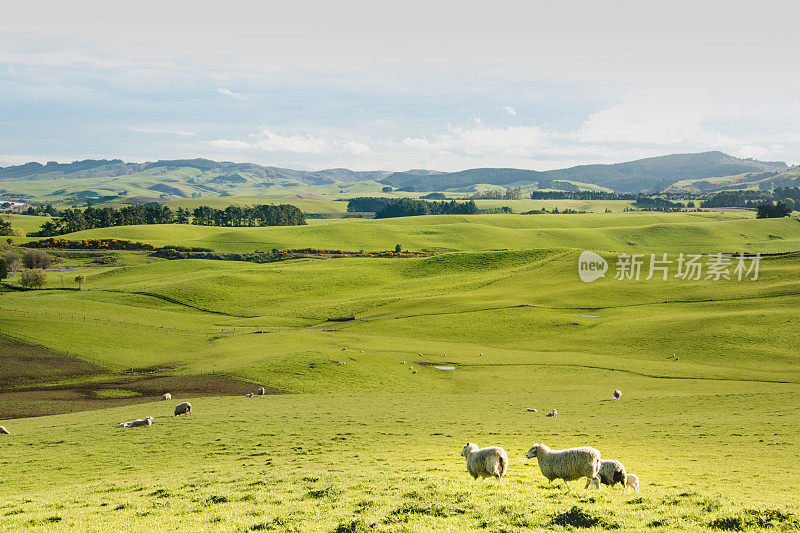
{"x": 4, "y": 431}
{"x": 632, "y": 482}
{"x": 166, "y": 396}
{"x": 249, "y": 394}
{"x": 139, "y": 422}
{"x": 617, "y": 394}
{"x": 611, "y": 472}
{"x": 184, "y": 408}
{"x": 552, "y": 413}
{"x": 530, "y": 410}
{"x": 261, "y": 391}
{"x": 485, "y": 462}
{"x": 569, "y": 464}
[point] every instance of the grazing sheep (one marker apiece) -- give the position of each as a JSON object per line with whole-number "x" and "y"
{"x": 261, "y": 391}
{"x": 611, "y": 472}
{"x": 485, "y": 462}
{"x": 166, "y": 396}
{"x": 146, "y": 421}
{"x": 531, "y": 410}
{"x": 552, "y": 413}
{"x": 249, "y": 395}
{"x": 4, "y": 431}
{"x": 122, "y": 425}
{"x": 413, "y": 371}
{"x": 617, "y": 394}
{"x": 569, "y": 464}
{"x": 632, "y": 482}
{"x": 184, "y": 408}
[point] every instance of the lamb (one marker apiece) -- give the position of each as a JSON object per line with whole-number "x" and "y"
{"x": 611, "y": 472}
{"x": 485, "y": 462}
{"x": 632, "y": 482}
{"x": 261, "y": 391}
{"x": 166, "y": 396}
{"x": 569, "y": 464}
{"x": 552, "y": 413}
{"x": 4, "y": 431}
{"x": 184, "y": 408}
{"x": 617, "y": 394}
{"x": 146, "y": 421}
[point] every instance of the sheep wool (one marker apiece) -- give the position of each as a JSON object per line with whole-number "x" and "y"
{"x": 632, "y": 482}
{"x": 569, "y": 464}
{"x": 611, "y": 472}
{"x": 485, "y": 462}
{"x": 166, "y": 396}
{"x": 184, "y": 408}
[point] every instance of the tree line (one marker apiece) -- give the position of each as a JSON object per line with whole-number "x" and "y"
{"x": 409, "y": 207}
{"x": 72, "y": 220}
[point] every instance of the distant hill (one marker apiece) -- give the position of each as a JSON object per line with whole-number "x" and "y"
{"x": 203, "y": 177}
{"x": 92, "y": 168}
{"x": 634, "y": 176}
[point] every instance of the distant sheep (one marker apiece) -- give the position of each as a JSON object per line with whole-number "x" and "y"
{"x": 632, "y": 482}
{"x": 249, "y": 394}
{"x": 184, "y": 408}
{"x": 166, "y": 397}
{"x": 531, "y": 410}
{"x": 569, "y": 464}
{"x": 611, "y": 472}
{"x": 122, "y": 425}
{"x": 485, "y": 462}
{"x": 261, "y": 391}
{"x": 146, "y": 421}
{"x": 552, "y": 413}
{"x": 617, "y": 394}
{"x": 4, "y": 431}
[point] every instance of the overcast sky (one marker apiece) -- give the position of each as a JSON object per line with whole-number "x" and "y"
{"x": 398, "y": 85}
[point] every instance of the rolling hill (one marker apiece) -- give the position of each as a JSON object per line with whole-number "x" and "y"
{"x": 116, "y": 180}
{"x": 634, "y": 176}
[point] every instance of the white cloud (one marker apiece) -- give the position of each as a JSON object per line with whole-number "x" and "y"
{"x": 228, "y": 92}
{"x": 356, "y": 148}
{"x": 510, "y": 110}
{"x": 143, "y": 129}
{"x": 273, "y": 142}
{"x": 482, "y": 140}
{"x": 229, "y": 143}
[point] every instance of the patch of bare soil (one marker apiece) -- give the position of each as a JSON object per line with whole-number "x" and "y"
{"x": 36, "y": 381}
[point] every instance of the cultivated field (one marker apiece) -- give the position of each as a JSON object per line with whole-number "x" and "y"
{"x": 369, "y": 444}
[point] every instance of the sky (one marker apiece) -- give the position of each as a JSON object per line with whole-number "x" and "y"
{"x": 388, "y": 85}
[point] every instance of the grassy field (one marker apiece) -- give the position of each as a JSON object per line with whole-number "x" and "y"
{"x": 372, "y": 444}
{"x": 648, "y": 232}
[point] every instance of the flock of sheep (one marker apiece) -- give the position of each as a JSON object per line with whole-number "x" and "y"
{"x": 183, "y": 408}
{"x": 569, "y": 465}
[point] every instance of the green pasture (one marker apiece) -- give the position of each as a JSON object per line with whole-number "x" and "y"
{"x": 363, "y": 431}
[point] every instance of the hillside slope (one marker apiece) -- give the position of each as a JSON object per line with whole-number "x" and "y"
{"x": 633, "y": 176}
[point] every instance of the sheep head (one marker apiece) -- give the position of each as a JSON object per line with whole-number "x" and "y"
{"x": 534, "y": 451}
{"x": 471, "y": 447}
